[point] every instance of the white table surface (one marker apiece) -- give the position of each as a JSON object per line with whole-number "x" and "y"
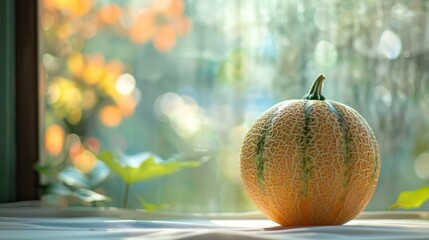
{"x": 23, "y": 222}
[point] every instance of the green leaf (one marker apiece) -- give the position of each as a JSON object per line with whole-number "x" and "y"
{"x": 87, "y": 195}
{"x": 44, "y": 169}
{"x": 55, "y": 188}
{"x": 82, "y": 194}
{"x": 74, "y": 178}
{"x": 233, "y": 68}
{"x": 412, "y": 199}
{"x": 98, "y": 174}
{"x": 113, "y": 163}
{"x": 148, "y": 168}
{"x": 151, "y": 206}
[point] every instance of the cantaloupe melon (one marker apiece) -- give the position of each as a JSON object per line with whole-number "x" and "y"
{"x": 310, "y": 161}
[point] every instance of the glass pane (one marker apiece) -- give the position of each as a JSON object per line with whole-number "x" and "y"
{"x": 185, "y": 79}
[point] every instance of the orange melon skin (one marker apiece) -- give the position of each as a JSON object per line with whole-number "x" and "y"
{"x": 310, "y": 162}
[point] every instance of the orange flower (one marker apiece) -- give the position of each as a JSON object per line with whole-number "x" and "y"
{"x": 165, "y": 38}
{"x": 169, "y": 7}
{"x": 164, "y": 22}
{"x": 127, "y": 105}
{"x": 66, "y": 98}
{"x": 54, "y": 139}
{"x": 96, "y": 74}
{"x": 73, "y": 8}
{"x": 94, "y": 69}
{"x": 110, "y": 14}
{"x": 143, "y": 27}
{"x": 64, "y": 30}
{"x": 110, "y": 116}
{"x": 76, "y": 63}
{"x": 83, "y": 160}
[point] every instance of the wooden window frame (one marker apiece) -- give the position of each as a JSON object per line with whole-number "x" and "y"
{"x": 20, "y": 103}
{"x": 26, "y": 99}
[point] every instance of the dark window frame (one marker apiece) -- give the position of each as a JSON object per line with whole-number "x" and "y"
{"x": 7, "y": 102}
{"x": 19, "y": 124}
{"x": 26, "y": 99}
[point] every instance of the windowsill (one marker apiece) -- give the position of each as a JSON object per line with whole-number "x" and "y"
{"x": 22, "y": 220}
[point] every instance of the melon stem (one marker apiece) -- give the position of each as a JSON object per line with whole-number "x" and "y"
{"x": 315, "y": 92}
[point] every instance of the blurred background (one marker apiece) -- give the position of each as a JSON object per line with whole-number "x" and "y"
{"x": 186, "y": 78}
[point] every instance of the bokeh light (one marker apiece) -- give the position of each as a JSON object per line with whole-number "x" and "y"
{"x": 54, "y": 93}
{"x": 74, "y": 143}
{"x": 84, "y": 160}
{"x": 401, "y": 16}
{"x": 93, "y": 144}
{"x": 182, "y": 112}
{"x": 390, "y": 44}
{"x": 127, "y": 104}
{"x": 110, "y": 116}
{"x": 125, "y": 84}
{"x": 163, "y": 23}
{"x": 325, "y": 54}
{"x": 54, "y": 140}
{"x": 94, "y": 70}
{"x": 421, "y": 166}
{"x": 110, "y": 13}
{"x": 382, "y": 97}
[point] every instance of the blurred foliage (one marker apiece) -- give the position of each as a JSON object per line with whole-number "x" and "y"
{"x": 82, "y": 194}
{"x": 233, "y": 69}
{"x": 162, "y": 23}
{"x": 143, "y": 166}
{"x": 84, "y": 87}
{"x": 412, "y": 199}
{"x": 189, "y": 77}
{"x": 152, "y": 206}
{"x": 70, "y": 182}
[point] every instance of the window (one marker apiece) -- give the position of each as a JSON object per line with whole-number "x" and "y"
{"x": 187, "y": 78}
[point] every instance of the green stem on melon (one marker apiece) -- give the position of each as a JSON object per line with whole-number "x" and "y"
{"x": 315, "y": 92}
